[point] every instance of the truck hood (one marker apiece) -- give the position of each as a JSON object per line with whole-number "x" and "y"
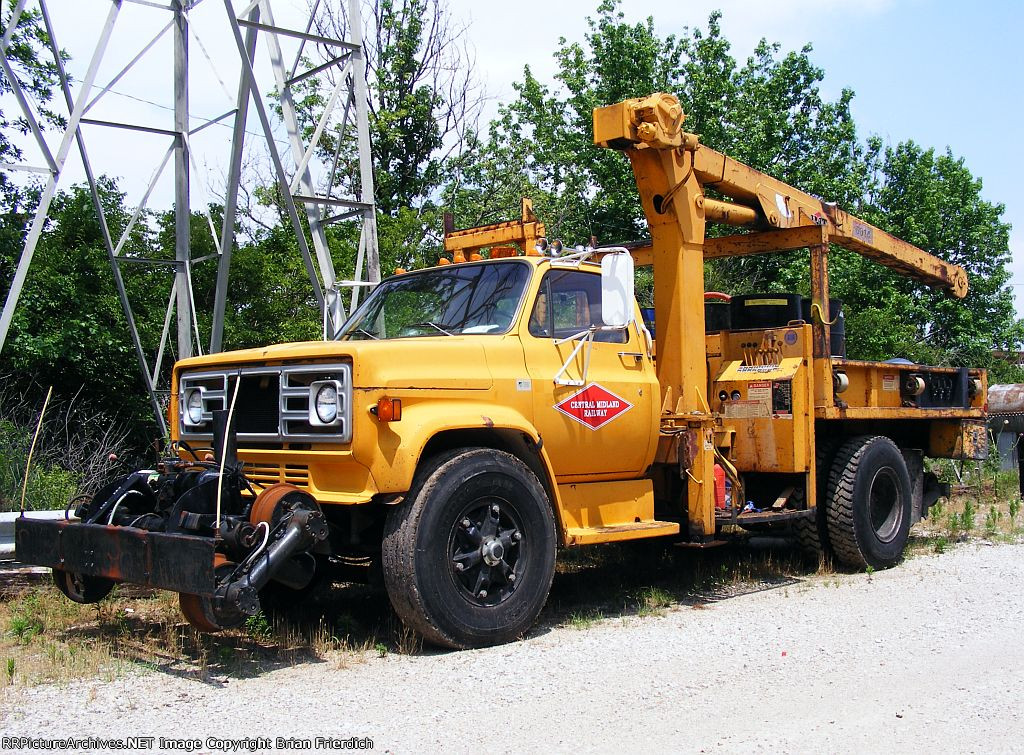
{"x": 453, "y": 362}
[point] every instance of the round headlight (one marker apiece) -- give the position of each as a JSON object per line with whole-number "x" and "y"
{"x": 194, "y": 406}
{"x": 327, "y": 404}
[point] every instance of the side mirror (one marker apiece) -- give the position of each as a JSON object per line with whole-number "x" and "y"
{"x": 617, "y": 299}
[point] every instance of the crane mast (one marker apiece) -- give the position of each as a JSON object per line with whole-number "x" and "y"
{"x": 674, "y": 173}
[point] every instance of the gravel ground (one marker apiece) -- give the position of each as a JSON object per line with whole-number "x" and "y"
{"x": 919, "y": 658}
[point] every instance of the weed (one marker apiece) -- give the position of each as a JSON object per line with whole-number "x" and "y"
{"x": 11, "y": 666}
{"x": 953, "y": 524}
{"x": 941, "y": 544}
{"x": 869, "y": 570}
{"x": 382, "y": 650}
{"x": 653, "y": 600}
{"x": 967, "y": 516}
{"x": 408, "y": 642}
{"x": 258, "y": 626}
{"x": 992, "y": 520}
{"x": 585, "y": 619}
{"x": 23, "y": 628}
{"x": 324, "y": 642}
{"x": 1014, "y": 510}
{"x": 825, "y": 565}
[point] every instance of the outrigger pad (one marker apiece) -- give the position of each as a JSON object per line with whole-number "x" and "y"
{"x": 181, "y": 563}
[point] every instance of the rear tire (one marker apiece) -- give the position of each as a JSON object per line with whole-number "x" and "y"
{"x": 812, "y": 532}
{"x": 869, "y": 501}
{"x": 468, "y": 558}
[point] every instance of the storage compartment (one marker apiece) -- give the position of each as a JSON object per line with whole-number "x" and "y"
{"x": 757, "y": 311}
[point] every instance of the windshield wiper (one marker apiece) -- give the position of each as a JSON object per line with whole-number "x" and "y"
{"x": 433, "y": 325}
{"x": 367, "y": 333}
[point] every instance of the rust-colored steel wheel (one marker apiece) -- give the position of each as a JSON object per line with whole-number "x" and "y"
{"x": 270, "y": 507}
{"x": 198, "y": 609}
{"x": 266, "y": 502}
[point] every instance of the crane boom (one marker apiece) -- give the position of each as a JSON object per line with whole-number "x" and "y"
{"x": 758, "y": 200}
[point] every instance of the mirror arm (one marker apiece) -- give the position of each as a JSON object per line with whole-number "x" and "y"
{"x": 588, "y": 341}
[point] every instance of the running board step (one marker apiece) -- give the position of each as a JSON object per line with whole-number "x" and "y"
{"x": 614, "y": 533}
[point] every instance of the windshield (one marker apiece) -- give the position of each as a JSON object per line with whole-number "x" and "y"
{"x": 454, "y": 300}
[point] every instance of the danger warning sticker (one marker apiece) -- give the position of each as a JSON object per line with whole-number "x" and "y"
{"x": 594, "y": 406}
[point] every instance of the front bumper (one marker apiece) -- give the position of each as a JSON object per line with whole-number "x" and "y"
{"x": 181, "y": 563}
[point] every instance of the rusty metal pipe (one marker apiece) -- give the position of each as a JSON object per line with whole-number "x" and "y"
{"x": 1006, "y": 399}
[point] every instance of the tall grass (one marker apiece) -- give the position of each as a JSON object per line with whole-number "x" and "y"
{"x": 73, "y": 454}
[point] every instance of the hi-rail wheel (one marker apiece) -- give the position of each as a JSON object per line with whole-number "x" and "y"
{"x": 82, "y": 588}
{"x": 271, "y": 506}
{"x": 469, "y": 556}
{"x": 869, "y": 503}
{"x": 202, "y": 612}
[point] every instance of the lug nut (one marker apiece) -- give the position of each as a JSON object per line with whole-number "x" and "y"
{"x": 495, "y": 509}
{"x": 466, "y": 523}
{"x": 459, "y": 566}
{"x": 517, "y": 536}
{"x": 512, "y": 577}
{"x": 482, "y": 594}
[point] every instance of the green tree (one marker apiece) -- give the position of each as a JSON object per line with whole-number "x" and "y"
{"x": 933, "y": 201}
{"x": 424, "y": 103}
{"x": 68, "y": 330}
{"x": 269, "y": 297}
{"x": 37, "y": 77}
{"x": 768, "y": 112}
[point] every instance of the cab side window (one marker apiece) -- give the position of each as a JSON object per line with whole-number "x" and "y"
{"x": 569, "y": 301}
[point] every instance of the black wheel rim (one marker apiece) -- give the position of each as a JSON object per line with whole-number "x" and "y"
{"x": 885, "y": 505}
{"x": 487, "y": 551}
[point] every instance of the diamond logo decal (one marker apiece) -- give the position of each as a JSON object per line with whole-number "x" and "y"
{"x": 594, "y": 406}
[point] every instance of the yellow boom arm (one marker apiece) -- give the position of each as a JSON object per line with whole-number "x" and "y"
{"x": 759, "y": 200}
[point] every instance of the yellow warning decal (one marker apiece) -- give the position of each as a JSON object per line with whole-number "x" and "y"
{"x": 766, "y": 303}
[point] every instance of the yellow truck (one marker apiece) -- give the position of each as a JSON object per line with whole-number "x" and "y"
{"x": 473, "y": 418}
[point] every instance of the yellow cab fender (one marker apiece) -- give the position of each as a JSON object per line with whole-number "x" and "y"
{"x": 434, "y": 426}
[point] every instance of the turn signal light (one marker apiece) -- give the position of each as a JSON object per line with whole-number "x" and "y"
{"x": 389, "y": 410}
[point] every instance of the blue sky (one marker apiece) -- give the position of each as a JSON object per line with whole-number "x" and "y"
{"x": 940, "y": 72}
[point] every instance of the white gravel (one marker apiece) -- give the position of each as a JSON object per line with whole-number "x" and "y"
{"x": 919, "y": 658}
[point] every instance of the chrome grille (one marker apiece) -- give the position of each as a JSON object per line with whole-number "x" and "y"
{"x": 273, "y": 403}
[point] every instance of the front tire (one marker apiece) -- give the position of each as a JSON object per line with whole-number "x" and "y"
{"x": 869, "y": 501}
{"x": 469, "y": 557}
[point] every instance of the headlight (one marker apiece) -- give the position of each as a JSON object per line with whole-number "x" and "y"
{"x": 326, "y": 403}
{"x": 194, "y": 406}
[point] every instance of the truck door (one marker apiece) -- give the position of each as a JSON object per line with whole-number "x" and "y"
{"x": 609, "y": 425}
